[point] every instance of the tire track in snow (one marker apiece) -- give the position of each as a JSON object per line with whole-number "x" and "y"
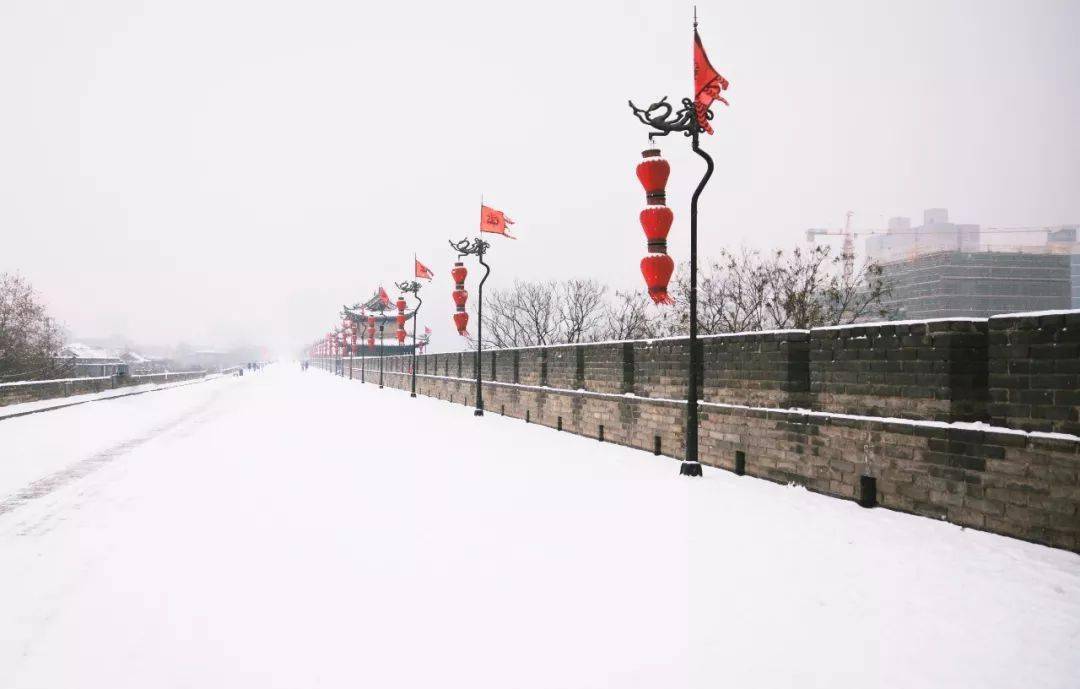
{"x": 53, "y": 482}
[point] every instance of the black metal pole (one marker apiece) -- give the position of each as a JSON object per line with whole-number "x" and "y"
{"x": 416, "y": 315}
{"x": 480, "y": 334}
{"x": 381, "y": 326}
{"x": 691, "y": 466}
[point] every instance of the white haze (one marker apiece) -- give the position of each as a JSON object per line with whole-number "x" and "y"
{"x": 232, "y": 171}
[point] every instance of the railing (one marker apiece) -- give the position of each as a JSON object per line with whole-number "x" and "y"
{"x": 19, "y": 383}
{"x": 167, "y": 374}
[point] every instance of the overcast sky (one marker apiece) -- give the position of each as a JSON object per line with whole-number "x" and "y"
{"x": 230, "y": 171}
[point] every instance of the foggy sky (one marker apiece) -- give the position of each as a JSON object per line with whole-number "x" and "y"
{"x": 233, "y": 171}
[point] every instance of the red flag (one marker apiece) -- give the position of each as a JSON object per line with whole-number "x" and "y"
{"x": 422, "y": 271}
{"x": 383, "y": 296}
{"x": 494, "y": 221}
{"x": 707, "y": 84}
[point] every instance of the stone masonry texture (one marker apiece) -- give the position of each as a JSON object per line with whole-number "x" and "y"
{"x": 824, "y": 407}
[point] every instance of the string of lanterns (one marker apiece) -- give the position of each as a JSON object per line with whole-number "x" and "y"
{"x": 656, "y": 219}
{"x": 461, "y": 317}
{"x": 401, "y": 334}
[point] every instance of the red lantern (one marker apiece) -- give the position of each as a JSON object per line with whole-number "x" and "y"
{"x": 653, "y": 173}
{"x": 656, "y": 219}
{"x": 657, "y": 269}
{"x": 461, "y": 318}
{"x": 371, "y": 331}
{"x": 401, "y": 320}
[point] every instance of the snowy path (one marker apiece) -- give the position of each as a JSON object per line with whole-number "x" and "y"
{"x": 297, "y": 530}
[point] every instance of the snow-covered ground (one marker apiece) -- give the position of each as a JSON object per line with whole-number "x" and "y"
{"x": 292, "y": 529}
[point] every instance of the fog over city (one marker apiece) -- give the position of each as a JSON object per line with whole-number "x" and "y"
{"x": 232, "y": 172}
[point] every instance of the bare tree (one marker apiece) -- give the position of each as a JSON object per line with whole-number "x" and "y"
{"x": 797, "y": 283}
{"x": 581, "y": 309}
{"x": 523, "y": 315}
{"x": 538, "y": 311}
{"x": 862, "y": 296}
{"x": 808, "y": 288}
{"x": 29, "y": 339}
{"x": 502, "y": 327}
{"x": 803, "y": 288}
{"x": 631, "y": 316}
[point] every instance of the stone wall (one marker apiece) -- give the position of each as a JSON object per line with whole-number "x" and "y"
{"x": 925, "y": 370}
{"x": 31, "y": 391}
{"x": 827, "y": 409}
{"x": 21, "y": 392}
{"x": 1035, "y": 371}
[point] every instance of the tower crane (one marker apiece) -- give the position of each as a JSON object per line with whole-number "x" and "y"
{"x": 848, "y": 252}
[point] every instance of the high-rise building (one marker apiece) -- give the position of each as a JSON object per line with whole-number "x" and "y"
{"x": 951, "y": 284}
{"x": 942, "y": 269}
{"x": 902, "y": 241}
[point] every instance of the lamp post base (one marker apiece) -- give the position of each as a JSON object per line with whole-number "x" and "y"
{"x": 690, "y": 469}
{"x": 412, "y": 394}
{"x": 478, "y": 412}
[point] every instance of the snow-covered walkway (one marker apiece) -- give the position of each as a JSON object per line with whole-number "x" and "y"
{"x": 297, "y": 530}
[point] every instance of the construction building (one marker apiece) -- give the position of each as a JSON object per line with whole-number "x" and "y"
{"x": 943, "y": 270}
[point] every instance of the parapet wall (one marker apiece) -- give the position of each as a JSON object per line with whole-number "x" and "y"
{"x": 1034, "y": 371}
{"x": 824, "y": 408}
{"x": 30, "y": 391}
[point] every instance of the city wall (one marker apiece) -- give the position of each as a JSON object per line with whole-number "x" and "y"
{"x": 32, "y": 391}
{"x": 972, "y": 421}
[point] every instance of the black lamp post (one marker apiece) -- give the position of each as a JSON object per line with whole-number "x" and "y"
{"x": 352, "y": 347}
{"x": 661, "y": 117}
{"x": 477, "y": 248}
{"x": 340, "y": 363}
{"x": 412, "y": 287}
{"x": 381, "y": 326}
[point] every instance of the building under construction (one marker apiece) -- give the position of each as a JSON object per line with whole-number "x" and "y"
{"x": 943, "y": 270}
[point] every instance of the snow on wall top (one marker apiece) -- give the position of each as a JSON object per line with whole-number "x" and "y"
{"x": 914, "y": 321}
{"x": 1034, "y": 314}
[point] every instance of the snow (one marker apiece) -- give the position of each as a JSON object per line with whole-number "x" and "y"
{"x": 168, "y": 373}
{"x": 250, "y": 532}
{"x": 84, "y": 351}
{"x": 915, "y": 321}
{"x": 27, "y": 383}
{"x": 1036, "y": 314}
